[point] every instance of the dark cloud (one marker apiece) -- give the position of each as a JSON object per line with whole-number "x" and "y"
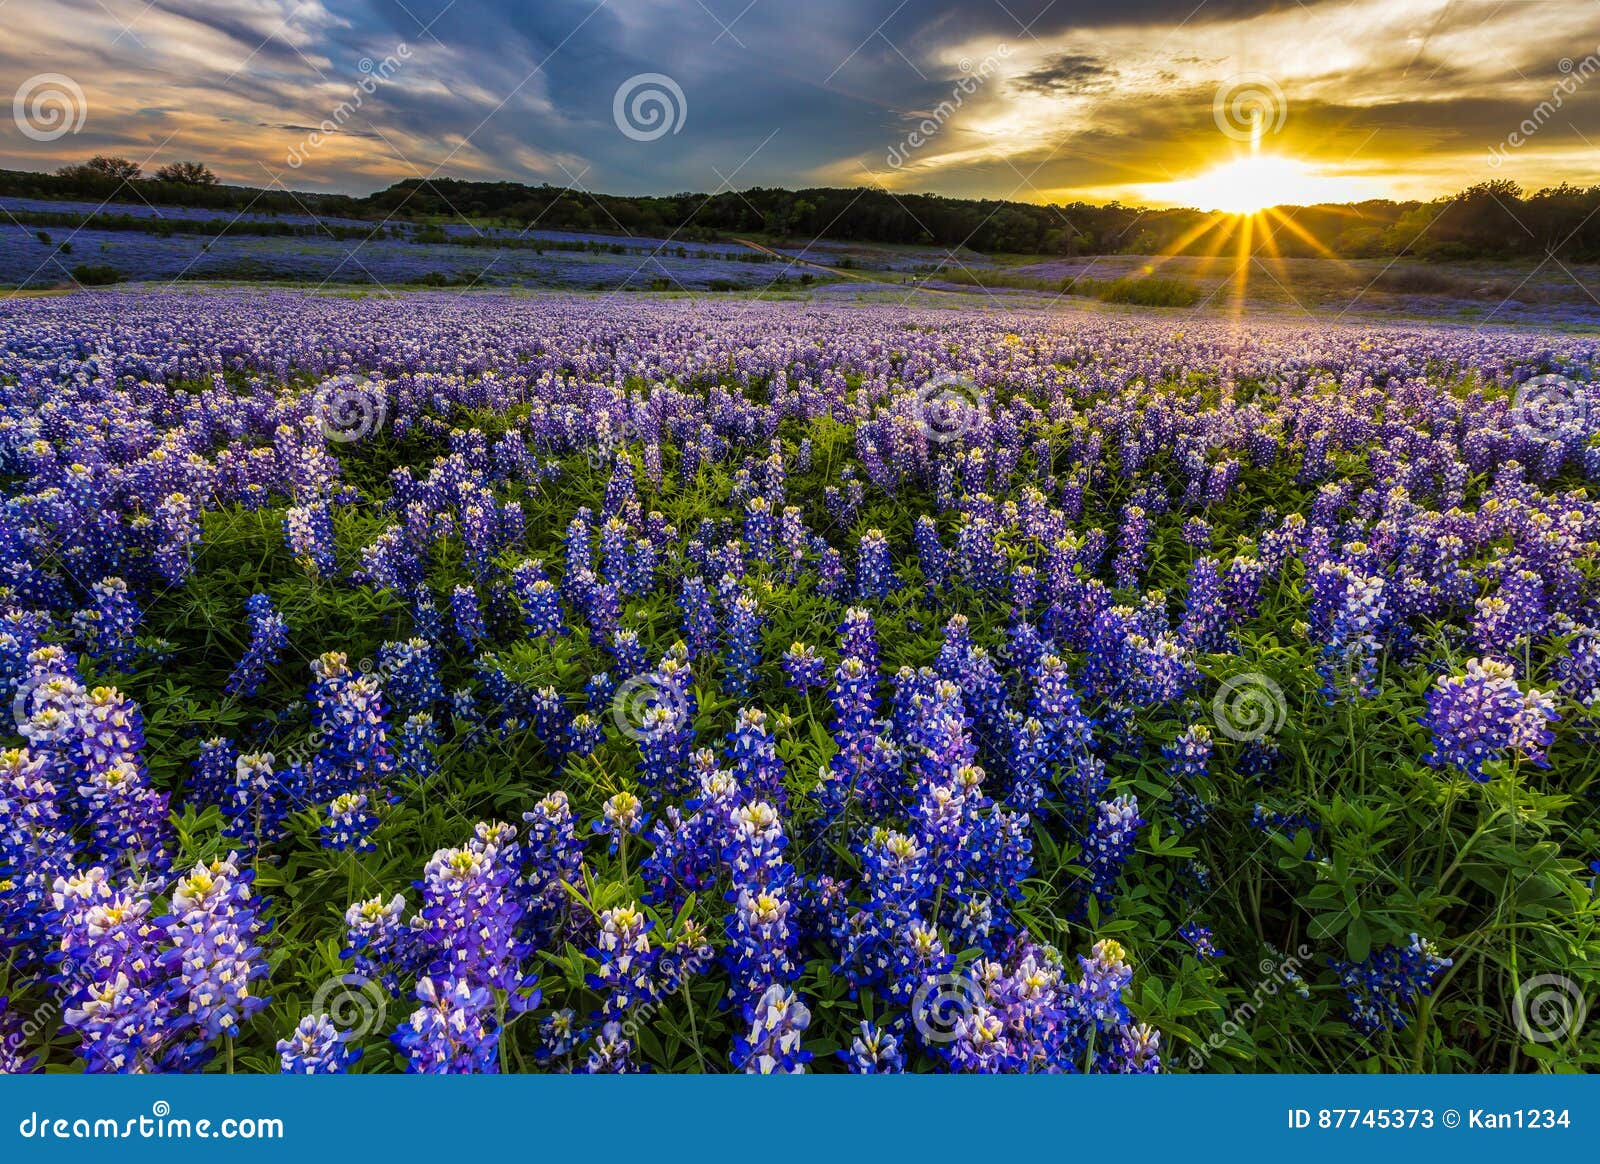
{"x": 1066, "y": 74}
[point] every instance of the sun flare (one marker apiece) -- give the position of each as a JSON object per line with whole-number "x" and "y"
{"x": 1250, "y": 184}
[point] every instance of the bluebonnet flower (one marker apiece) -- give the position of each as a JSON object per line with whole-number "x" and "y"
{"x": 584, "y": 735}
{"x": 758, "y": 529}
{"x": 755, "y": 758}
{"x": 350, "y": 825}
{"x": 621, "y": 816}
{"x": 1579, "y": 670}
{"x": 628, "y": 653}
{"x": 626, "y": 961}
{"x": 1352, "y": 610}
{"x": 600, "y": 690}
{"x": 309, "y": 531}
{"x": 1116, "y": 827}
{"x": 699, "y": 618}
{"x": 1132, "y": 547}
{"x": 415, "y": 748}
{"x": 378, "y": 940}
{"x": 214, "y": 929}
{"x": 1382, "y": 988}
{"x": 268, "y": 636}
{"x": 258, "y": 801}
{"x": 559, "y": 1035}
{"x": 213, "y": 770}
{"x": 612, "y": 1052}
{"x": 35, "y": 850}
{"x": 665, "y": 729}
{"x": 687, "y": 845}
{"x": 874, "y": 1052}
{"x": 315, "y": 1048}
{"x": 1053, "y": 701}
{"x": 875, "y": 575}
{"x": 470, "y": 918}
{"x": 555, "y": 858}
{"x": 411, "y": 681}
{"x": 177, "y": 519}
{"x": 1199, "y": 937}
{"x": 108, "y": 629}
{"x": 858, "y": 638}
{"x": 541, "y": 606}
{"x": 1096, "y": 998}
{"x": 803, "y": 668}
{"x": 1137, "y": 1051}
{"x": 1479, "y": 716}
{"x": 453, "y": 1032}
{"x": 931, "y": 554}
{"x": 743, "y": 631}
{"x": 1204, "y": 624}
{"x": 127, "y": 817}
{"x": 468, "y": 618}
{"x": 121, "y": 1024}
{"x": 12, "y": 1061}
{"x": 761, "y": 942}
{"x": 1188, "y": 763}
{"x": 777, "y": 1021}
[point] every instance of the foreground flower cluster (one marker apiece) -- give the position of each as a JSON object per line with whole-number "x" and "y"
{"x": 463, "y": 685}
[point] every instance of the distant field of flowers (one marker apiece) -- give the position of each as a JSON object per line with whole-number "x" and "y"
{"x": 50, "y": 244}
{"x": 467, "y": 683}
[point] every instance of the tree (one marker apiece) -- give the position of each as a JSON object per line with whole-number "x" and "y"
{"x": 187, "y": 174}
{"x": 101, "y": 167}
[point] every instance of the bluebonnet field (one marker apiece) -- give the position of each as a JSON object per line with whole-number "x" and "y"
{"x": 43, "y": 243}
{"x": 470, "y": 683}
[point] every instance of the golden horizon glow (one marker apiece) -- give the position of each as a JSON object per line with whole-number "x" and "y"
{"x": 1254, "y": 182}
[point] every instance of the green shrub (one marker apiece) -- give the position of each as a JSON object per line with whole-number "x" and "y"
{"x": 96, "y": 274}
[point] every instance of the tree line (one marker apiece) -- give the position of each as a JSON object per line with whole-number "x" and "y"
{"x": 1491, "y": 220}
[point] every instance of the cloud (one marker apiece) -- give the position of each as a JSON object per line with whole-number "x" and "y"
{"x": 1091, "y": 99}
{"x": 1067, "y": 73}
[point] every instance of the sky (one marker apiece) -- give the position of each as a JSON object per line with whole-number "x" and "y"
{"x": 1034, "y": 100}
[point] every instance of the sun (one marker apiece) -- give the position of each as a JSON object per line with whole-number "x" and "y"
{"x": 1250, "y": 184}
